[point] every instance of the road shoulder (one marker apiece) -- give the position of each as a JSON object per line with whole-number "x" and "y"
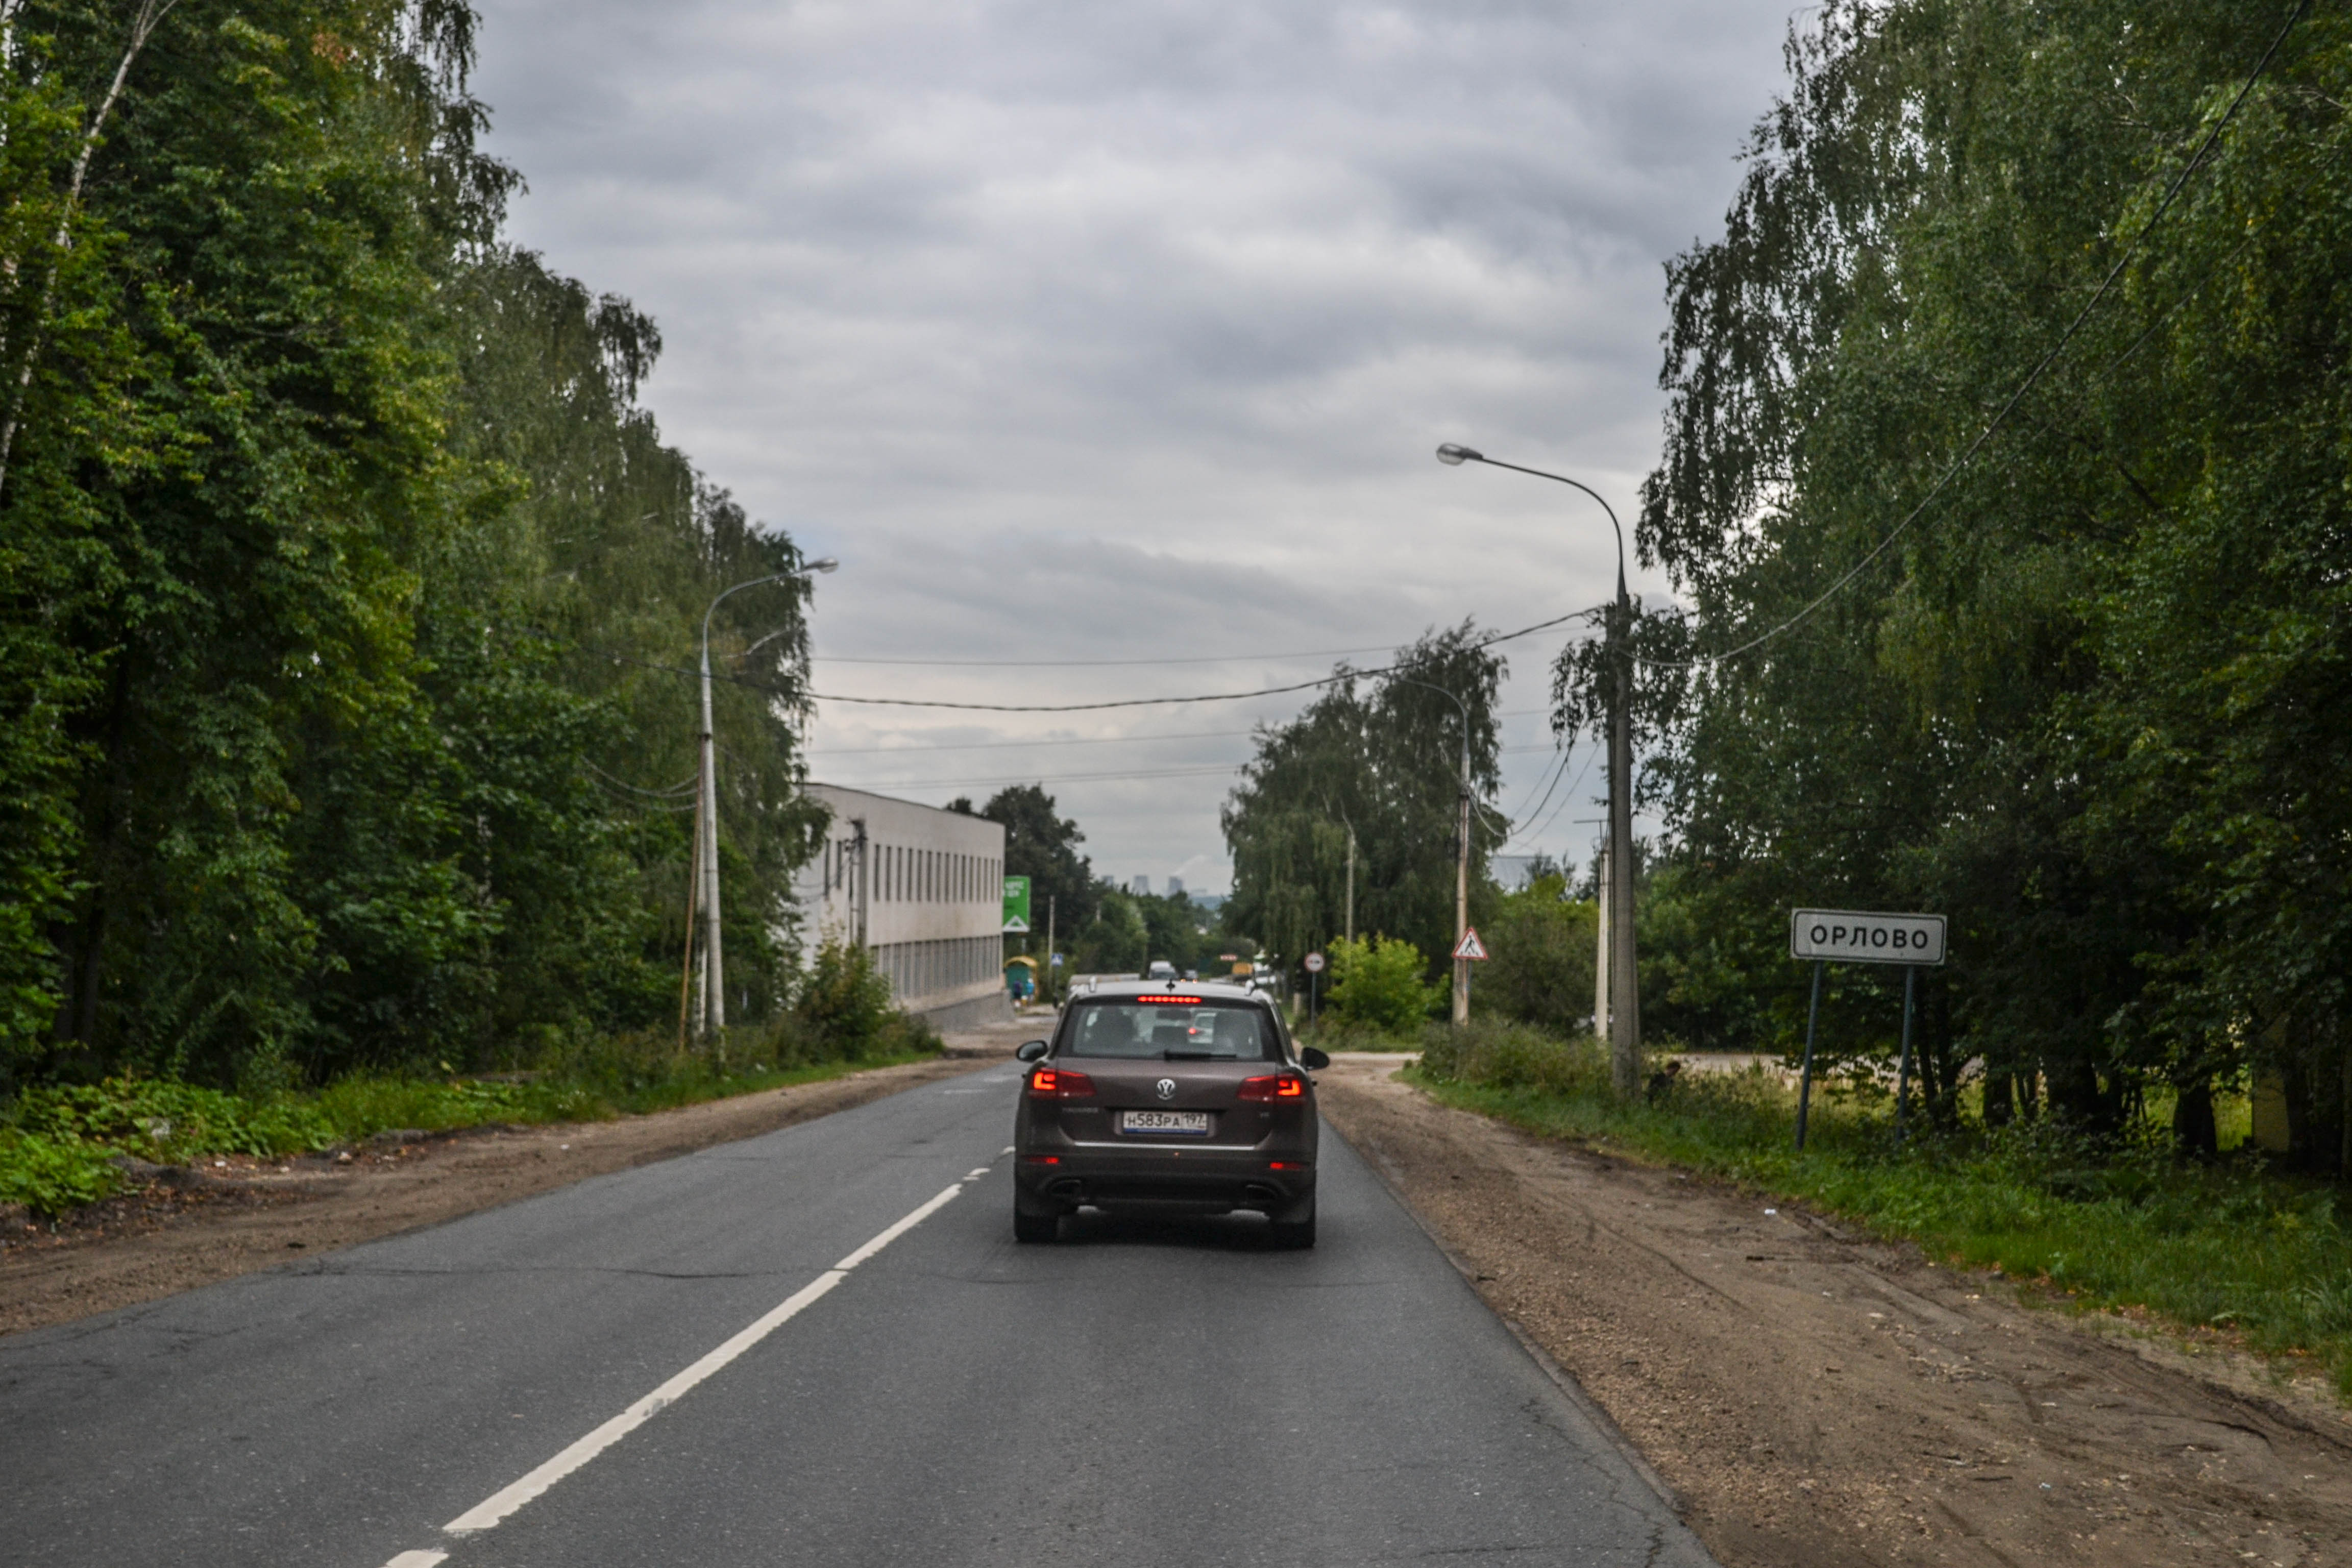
{"x": 171, "y": 1238}
{"x": 1816, "y": 1398}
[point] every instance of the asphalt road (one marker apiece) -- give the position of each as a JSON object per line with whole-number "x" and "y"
{"x": 1155, "y": 1395}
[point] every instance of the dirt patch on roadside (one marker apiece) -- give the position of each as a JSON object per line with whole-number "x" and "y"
{"x": 240, "y": 1215}
{"x": 1818, "y": 1399}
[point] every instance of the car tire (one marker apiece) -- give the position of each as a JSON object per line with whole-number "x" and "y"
{"x": 1035, "y": 1227}
{"x": 1296, "y": 1235}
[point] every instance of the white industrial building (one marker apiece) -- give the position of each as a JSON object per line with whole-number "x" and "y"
{"x": 924, "y": 889}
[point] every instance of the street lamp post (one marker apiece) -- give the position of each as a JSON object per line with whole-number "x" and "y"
{"x": 1462, "y": 857}
{"x": 713, "y": 1011}
{"x": 1625, "y": 1020}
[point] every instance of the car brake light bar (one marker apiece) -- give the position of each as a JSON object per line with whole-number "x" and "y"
{"x": 1179, "y": 1001}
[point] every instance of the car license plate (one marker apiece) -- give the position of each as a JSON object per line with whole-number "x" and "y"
{"x": 1193, "y": 1124}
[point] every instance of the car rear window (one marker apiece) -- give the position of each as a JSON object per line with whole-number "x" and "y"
{"x": 1174, "y": 1030}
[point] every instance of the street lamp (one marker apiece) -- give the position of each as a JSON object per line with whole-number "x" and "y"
{"x": 1462, "y": 859}
{"x": 713, "y": 1011}
{"x": 1624, "y": 1021}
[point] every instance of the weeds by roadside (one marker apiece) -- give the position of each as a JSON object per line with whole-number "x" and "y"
{"x": 64, "y": 1145}
{"x": 2230, "y": 1247}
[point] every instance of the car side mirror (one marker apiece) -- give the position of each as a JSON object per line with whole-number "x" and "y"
{"x": 1032, "y": 1051}
{"x": 1314, "y": 1060}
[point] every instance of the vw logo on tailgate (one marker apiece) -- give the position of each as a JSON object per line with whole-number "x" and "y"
{"x": 1167, "y": 1087}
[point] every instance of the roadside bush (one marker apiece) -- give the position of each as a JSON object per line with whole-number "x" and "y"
{"x": 50, "y": 1176}
{"x": 57, "y": 1142}
{"x": 1512, "y": 1055}
{"x": 164, "y": 1119}
{"x": 1376, "y": 984}
{"x": 844, "y": 1012}
{"x": 1542, "y": 943}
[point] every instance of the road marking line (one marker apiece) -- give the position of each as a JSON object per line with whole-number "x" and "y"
{"x": 921, "y": 1213}
{"x": 975, "y": 1176}
{"x": 417, "y": 1560}
{"x": 494, "y": 1509}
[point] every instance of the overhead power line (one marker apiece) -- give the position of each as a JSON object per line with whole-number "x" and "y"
{"x": 1094, "y": 663}
{"x": 2032, "y": 376}
{"x": 1173, "y": 701}
{"x": 925, "y": 751}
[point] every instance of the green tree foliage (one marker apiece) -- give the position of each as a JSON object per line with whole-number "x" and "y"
{"x": 1377, "y": 985}
{"x": 1386, "y": 760}
{"x": 2090, "y": 703}
{"x": 1542, "y": 944}
{"x": 347, "y": 595}
{"x": 1042, "y": 845}
{"x": 1118, "y": 940}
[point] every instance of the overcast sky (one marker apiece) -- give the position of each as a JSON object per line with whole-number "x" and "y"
{"x": 1098, "y": 334}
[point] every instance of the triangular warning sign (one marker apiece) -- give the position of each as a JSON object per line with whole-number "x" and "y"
{"x": 1470, "y": 946}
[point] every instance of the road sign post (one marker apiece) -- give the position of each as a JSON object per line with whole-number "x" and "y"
{"x": 1859, "y": 936}
{"x": 1467, "y": 952}
{"x": 1314, "y": 962}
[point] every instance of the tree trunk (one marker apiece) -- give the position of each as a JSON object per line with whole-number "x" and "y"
{"x": 2194, "y": 1134}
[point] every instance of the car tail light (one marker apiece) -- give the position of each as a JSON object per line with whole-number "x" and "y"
{"x": 1284, "y": 1087}
{"x": 1060, "y": 1083}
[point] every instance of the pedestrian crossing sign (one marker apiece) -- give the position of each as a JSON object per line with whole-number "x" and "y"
{"x": 1470, "y": 946}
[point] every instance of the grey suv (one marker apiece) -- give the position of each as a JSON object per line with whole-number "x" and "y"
{"x": 1160, "y": 1099}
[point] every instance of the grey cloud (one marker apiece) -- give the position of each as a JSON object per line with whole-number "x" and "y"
{"x": 1076, "y": 328}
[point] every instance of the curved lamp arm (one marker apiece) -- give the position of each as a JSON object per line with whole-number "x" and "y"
{"x": 1454, "y": 455}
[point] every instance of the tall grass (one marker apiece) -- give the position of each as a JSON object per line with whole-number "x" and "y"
{"x": 2116, "y": 1223}
{"x": 62, "y": 1146}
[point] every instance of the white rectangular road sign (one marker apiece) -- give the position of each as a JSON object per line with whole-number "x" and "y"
{"x": 1855, "y": 936}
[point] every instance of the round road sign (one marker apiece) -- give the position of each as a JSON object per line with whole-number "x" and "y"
{"x": 1314, "y": 963}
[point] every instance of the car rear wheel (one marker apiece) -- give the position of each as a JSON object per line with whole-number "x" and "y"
{"x": 1298, "y": 1234}
{"x": 1028, "y": 1227}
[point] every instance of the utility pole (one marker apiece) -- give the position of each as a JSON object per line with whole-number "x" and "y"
{"x": 1052, "y": 899}
{"x": 1462, "y": 892}
{"x": 713, "y": 1011}
{"x": 864, "y": 881}
{"x": 1462, "y": 856}
{"x": 1624, "y": 981}
{"x": 1623, "y": 1003}
{"x": 1601, "y": 951}
{"x": 1351, "y": 882}
{"x": 714, "y": 992}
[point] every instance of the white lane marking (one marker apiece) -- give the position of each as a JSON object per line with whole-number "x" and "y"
{"x": 921, "y": 1213}
{"x": 975, "y": 1176}
{"x": 417, "y": 1560}
{"x": 494, "y": 1509}
{"x": 1008, "y": 1148}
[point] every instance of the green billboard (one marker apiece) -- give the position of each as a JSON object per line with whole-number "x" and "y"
{"x": 1017, "y": 903}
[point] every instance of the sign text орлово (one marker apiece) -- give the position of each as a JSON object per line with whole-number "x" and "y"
{"x": 1857, "y": 936}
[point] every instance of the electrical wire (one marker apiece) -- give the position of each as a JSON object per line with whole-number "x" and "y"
{"x": 676, "y": 789}
{"x": 1078, "y": 741}
{"x": 1093, "y": 663}
{"x": 1570, "y": 795}
{"x": 1174, "y": 701}
{"x": 2032, "y": 376}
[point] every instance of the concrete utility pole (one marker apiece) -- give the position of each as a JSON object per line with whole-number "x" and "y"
{"x": 864, "y": 881}
{"x": 1623, "y": 1003}
{"x": 1624, "y": 981}
{"x": 1051, "y": 901}
{"x": 1351, "y": 882}
{"x": 1462, "y": 856}
{"x": 1601, "y": 951}
{"x": 712, "y": 1012}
